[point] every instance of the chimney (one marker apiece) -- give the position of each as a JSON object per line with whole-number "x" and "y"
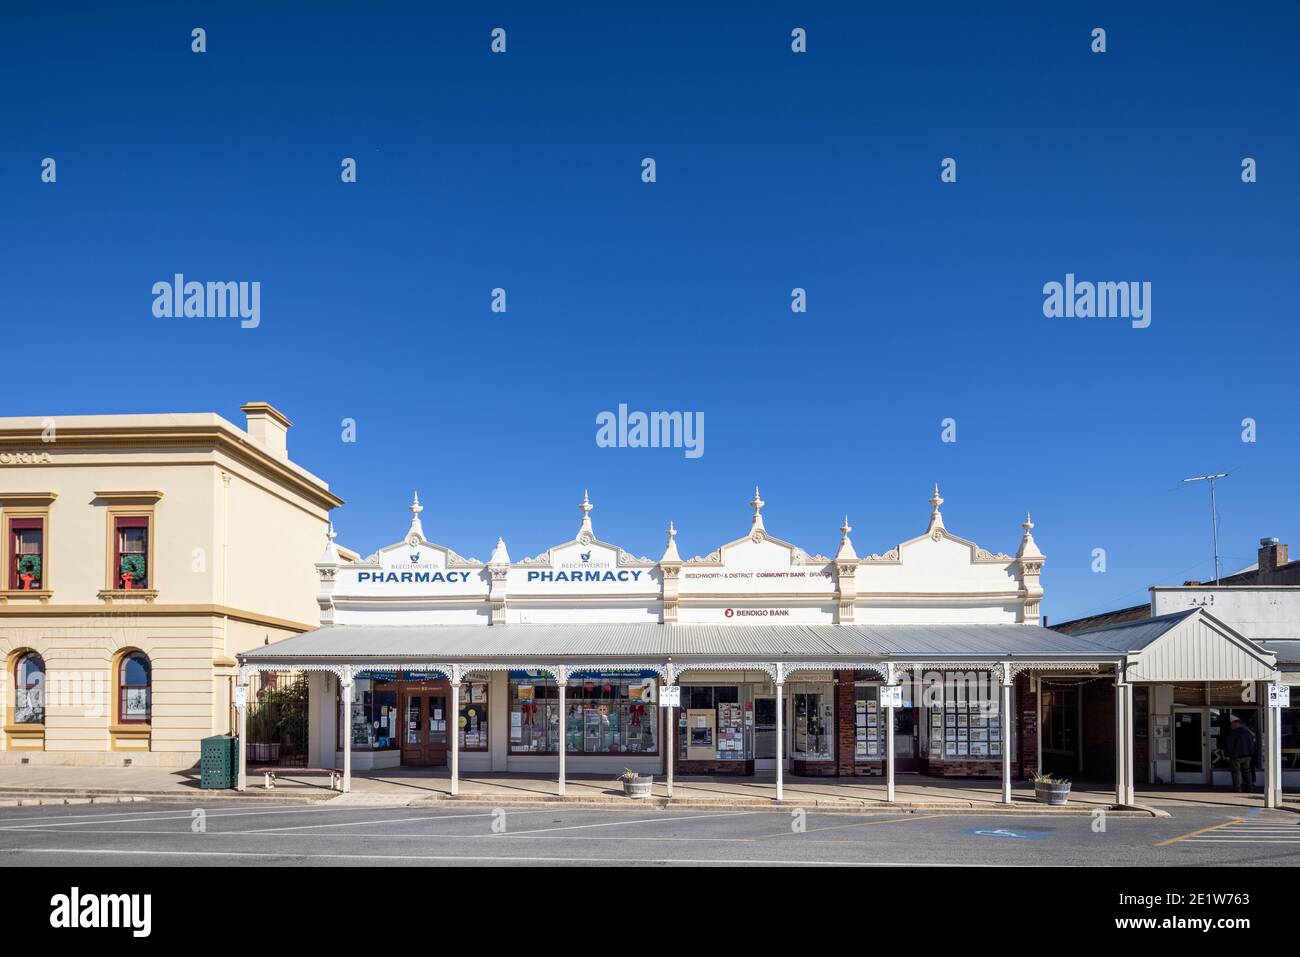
{"x": 268, "y": 428}
{"x": 1271, "y": 555}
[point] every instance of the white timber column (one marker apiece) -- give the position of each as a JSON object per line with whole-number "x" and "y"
{"x": 1121, "y": 792}
{"x": 1005, "y": 730}
{"x": 454, "y": 724}
{"x": 345, "y": 681}
{"x": 670, "y": 719}
{"x": 887, "y": 715}
{"x": 780, "y": 730}
{"x": 562, "y": 680}
{"x": 241, "y": 706}
{"x": 1273, "y": 759}
{"x": 1130, "y": 762}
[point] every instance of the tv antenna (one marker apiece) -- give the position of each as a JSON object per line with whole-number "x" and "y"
{"x": 1214, "y": 515}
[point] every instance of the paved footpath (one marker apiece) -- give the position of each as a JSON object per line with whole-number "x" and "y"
{"x": 272, "y": 833}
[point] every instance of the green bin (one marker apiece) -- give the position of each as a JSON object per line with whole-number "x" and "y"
{"x": 218, "y": 761}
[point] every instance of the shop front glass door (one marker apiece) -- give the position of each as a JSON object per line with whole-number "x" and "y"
{"x": 1189, "y": 747}
{"x": 424, "y": 729}
{"x": 765, "y": 733}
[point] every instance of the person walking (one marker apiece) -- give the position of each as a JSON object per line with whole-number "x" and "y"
{"x": 1240, "y": 748}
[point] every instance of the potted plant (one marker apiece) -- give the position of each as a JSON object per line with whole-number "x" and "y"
{"x": 131, "y": 569}
{"x": 636, "y": 785}
{"x": 29, "y": 571}
{"x": 1049, "y": 789}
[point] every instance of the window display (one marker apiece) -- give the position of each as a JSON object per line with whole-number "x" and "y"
{"x": 728, "y": 730}
{"x": 965, "y": 724}
{"x": 870, "y": 734}
{"x": 473, "y": 719}
{"x": 607, "y": 712}
{"x": 374, "y": 711}
{"x": 814, "y": 721}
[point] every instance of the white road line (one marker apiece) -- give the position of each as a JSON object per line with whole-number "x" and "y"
{"x": 529, "y": 835}
{"x": 653, "y": 820}
{"x": 161, "y": 815}
{"x": 390, "y": 820}
{"x": 494, "y": 859}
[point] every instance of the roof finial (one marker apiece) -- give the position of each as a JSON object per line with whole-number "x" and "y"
{"x": 416, "y": 508}
{"x": 757, "y": 505}
{"x": 499, "y": 554}
{"x": 331, "y": 554}
{"x": 846, "y": 552}
{"x": 936, "y": 519}
{"x": 586, "y": 507}
{"x": 670, "y": 550}
{"x": 1028, "y": 547}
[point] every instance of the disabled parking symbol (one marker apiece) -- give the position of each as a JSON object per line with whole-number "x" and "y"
{"x": 1006, "y": 833}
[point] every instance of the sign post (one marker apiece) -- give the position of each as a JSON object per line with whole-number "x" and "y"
{"x": 891, "y": 697}
{"x": 670, "y": 697}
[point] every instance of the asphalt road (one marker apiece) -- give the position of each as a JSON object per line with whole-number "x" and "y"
{"x": 239, "y": 835}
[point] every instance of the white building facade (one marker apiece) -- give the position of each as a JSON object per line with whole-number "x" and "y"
{"x": 786, "y": 660}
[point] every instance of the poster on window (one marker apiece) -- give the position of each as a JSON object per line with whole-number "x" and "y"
{"x": 135, "y": 703}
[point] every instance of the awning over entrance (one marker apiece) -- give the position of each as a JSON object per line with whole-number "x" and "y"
{"x": 1189, "y": 645}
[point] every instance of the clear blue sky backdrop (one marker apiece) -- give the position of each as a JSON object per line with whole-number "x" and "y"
{"x": 775, "y": 170}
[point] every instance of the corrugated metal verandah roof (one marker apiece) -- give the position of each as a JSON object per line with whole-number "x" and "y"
{"x": 653, "y": 642}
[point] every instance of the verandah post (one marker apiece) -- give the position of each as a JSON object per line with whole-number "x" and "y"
{"x": 345, "y": 679}
{"x": 1005, "y": 731}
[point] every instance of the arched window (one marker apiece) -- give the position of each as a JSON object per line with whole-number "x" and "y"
{"x": 133, "y": 684}
{"x": 29, "y": 690}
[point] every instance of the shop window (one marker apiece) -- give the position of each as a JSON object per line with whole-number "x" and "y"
{"x": 1290, "y": 731}
{"x": 1192, "y": 695}
{"x": 1221, "y": 726}
{"x": 716, "y": 723}
{"x": 374, "y": 712}
{"x": 131, "y": 552}
{"x": 534, "y": 714}
{"x": 813, "y": 737}
{"x": 605, "y": 713}
{"x": 27, "y": 554}
{"x": 611, "y": 713}
{"x": 868, "y": 722}
{"x": 29, "y": 690}
{"x": 964, "y": 717}
{"x": 1060, "y": 718}
{"x": 869, "y": 732}
{"x": 134, "y": 698}
{"x": 473, "y": 718}
{"x": 1233, "y": 693}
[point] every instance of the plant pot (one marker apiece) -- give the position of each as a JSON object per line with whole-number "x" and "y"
{"x": 27, "y": 580}
{"x": 126, "y": 580}
{"x": 1056, "y": 795}
{"x": 639, "y": 786}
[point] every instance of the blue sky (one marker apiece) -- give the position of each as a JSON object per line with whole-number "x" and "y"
{"x": 775, "y": 170}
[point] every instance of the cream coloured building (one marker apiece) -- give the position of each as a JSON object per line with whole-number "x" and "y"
{"x": 141, "y": 554}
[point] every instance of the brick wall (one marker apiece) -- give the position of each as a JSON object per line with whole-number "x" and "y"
{"x": 1025, "y": 700}
{"x": 844, "y": 722}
